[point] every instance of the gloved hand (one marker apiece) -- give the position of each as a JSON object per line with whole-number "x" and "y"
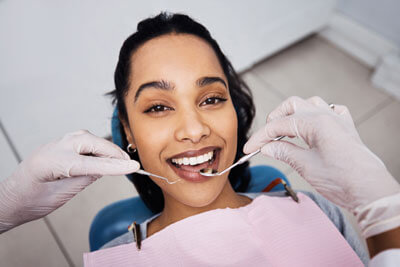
{"x": 55, "y": 173}
{"x": 337, "y": 163}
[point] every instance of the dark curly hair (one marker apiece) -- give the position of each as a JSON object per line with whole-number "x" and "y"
{"x": 167, "y": 23}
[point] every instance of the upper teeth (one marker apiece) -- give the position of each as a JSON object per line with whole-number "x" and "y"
{"x": 194, "y": 160}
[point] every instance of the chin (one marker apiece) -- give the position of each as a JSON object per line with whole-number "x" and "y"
{"x": 200, "y": 196}
{"x": 198, "y": 203}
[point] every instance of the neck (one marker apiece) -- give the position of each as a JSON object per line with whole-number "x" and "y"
{"x": 175, "y": 211}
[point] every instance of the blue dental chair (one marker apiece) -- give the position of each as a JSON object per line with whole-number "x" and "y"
{"x": 114, "y": 219}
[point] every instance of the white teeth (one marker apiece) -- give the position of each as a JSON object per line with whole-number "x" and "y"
{"x": 201, "y": 158}
{"x": 194, "y": 160}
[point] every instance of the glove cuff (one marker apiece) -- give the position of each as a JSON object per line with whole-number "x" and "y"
{"x": 388, "y": 258}
{"x": 379, "y": 216}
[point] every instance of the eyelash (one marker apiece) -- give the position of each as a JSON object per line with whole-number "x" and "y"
{"x": 153, "y": 108}
{"x": 218, "y": 98}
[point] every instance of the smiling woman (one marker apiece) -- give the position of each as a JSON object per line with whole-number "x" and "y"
{"x": 183, "y": 108}
{"x": 180, "y": 101}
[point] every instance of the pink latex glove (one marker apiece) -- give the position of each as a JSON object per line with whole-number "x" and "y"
{"x": 55, "y": 173}
{"x": 337, "y": 163}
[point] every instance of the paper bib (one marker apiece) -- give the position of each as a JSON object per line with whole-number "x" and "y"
{"x": 270, "y": 231}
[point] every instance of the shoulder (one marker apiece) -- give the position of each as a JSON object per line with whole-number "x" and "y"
{"x": 120, "y": 240}
{"x": 335, "y": 215}
{"x": 342, "y": 224}
{"x": 330, "y": 209}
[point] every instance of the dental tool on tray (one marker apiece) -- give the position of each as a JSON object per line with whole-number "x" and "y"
{"x": 209, "y": 171}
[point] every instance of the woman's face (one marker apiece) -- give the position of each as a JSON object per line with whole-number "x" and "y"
{"x": 181, "y": 116}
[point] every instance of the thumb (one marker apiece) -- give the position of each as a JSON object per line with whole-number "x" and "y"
{"x": 287, "y": 152}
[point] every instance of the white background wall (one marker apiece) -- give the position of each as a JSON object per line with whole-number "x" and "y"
{"x": 381, "y": 16}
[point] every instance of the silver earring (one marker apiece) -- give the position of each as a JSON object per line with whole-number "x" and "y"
{"x": 130, "y": 150}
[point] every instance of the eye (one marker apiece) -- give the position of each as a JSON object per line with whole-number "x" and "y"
{"x": 213, "y": 100}
{"x": 157, "y": 109}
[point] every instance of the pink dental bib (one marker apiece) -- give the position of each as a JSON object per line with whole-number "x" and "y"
{"x": 270, "y": 231}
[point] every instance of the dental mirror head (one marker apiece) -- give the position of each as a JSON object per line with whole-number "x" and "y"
{"x": 208, "y": 172}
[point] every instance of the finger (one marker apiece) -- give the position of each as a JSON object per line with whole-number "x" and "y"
{"x": 287, "y": 108}
{"x": 318, "y": 102}
{"x": 343, "y": 111}
{"x": 287, "y": 152}
{"x": 287, "y": 126}
{"x": 95, "y": 166}
{"x": 88, "y": 143}
{"x": 79, "y": 132}
{"x": 77, "y": 183}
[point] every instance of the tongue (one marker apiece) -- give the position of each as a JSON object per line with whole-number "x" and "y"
{"x": 195, "y": 168}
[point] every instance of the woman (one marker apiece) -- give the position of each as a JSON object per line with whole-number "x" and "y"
{"x": 183, "y": 108}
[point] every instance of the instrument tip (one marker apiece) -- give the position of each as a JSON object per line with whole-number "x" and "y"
{"x": 208, "y": 172}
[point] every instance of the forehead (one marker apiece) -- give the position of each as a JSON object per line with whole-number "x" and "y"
{"x": 176, "y": 57}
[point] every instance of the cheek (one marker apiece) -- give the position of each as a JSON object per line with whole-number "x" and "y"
{"x": 225, "y": 126}
{"x": 150, "y": 139}
{"x": 231, "y": 126}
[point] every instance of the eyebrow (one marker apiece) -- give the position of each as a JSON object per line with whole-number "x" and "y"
{"x": 203, "y": 81}
{"x": 165, "y": 85}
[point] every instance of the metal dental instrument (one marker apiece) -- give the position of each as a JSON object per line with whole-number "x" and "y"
{"x": 211, "y": 172}
{"x": 155, "y": 175}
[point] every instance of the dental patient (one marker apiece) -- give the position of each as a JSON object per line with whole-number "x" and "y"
{"x": 183, "y": 108}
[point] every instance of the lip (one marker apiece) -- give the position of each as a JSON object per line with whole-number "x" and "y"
{"x": 194, "y": 153}
{"x": 194, "y": 175}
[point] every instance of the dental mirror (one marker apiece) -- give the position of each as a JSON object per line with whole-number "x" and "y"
{"x": 211, "y": 172}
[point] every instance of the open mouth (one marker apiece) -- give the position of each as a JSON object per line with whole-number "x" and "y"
{"x": 188, "y": 167}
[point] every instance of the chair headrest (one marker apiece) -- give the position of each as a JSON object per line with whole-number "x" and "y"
{"x": 116, "y": 129}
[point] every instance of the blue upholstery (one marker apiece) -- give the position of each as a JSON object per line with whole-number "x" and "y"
{"x": 114, "y": 219}
{"x": 115, "y": 129}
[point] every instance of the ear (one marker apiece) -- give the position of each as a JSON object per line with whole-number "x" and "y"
{"x": 128, "y": 132}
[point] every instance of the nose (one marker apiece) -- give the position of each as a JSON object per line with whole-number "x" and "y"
{"x": 191, "y": 126}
